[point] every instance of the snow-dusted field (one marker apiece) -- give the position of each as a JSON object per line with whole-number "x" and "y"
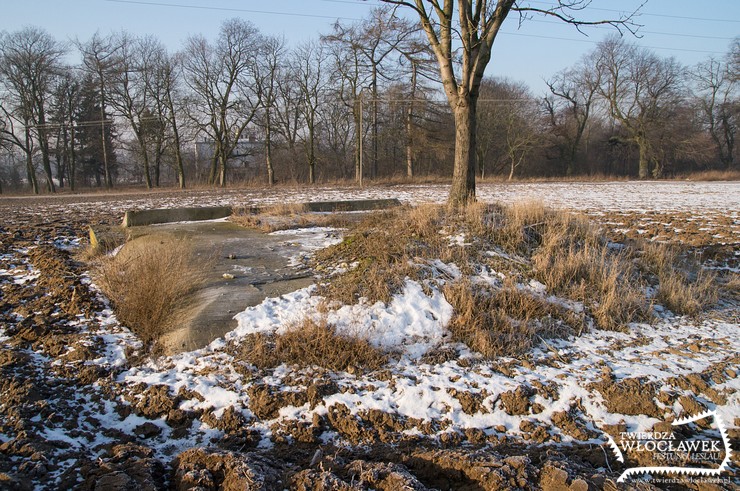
{"x": 659, "y": 196}
{"x": 562, "y": 392}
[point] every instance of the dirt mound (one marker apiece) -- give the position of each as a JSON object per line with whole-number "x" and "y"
{"x": 127, "y": 467}
{"x": 630, "y": 396}
{"x": 214, "y": 469}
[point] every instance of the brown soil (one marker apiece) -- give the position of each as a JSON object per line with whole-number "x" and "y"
{"x": 51, "y": 384}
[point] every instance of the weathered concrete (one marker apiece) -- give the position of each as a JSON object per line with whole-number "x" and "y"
{"x": 257, "y": 261}
{"x": 354, "y": 205}
{"x": 169, "y": 215}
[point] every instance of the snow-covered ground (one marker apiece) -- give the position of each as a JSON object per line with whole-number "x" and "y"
{"x": 559, "y": 376}
{"x": 656, "y": 196}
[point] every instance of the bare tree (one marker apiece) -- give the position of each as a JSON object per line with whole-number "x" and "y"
{"x": 509, "y": 120}
{"x": 418, "y": 58}
{"x": 164, "y": 86}
{"x": 348, "y": 63}
{"x": 100, "y": 56}
{"x": 717, "y": 96}
{"x": 569, "y": 109}
{"x": 269, "y": 71}
{"x": 472, "y": 26}
{"x": 309, "y": 67}
{"x": 30, "y": 61}
{"x": 65, "y": 102}
{"x": 221, "y": 79}
{"x": 131, "y": 95}
{"x": 375, "y": 39}
{"x": 640, "y": 90}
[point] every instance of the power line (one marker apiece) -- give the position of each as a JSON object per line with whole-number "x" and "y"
{"x": 647, "y": 14}
{"x": 554, "y": 22}
{"x": 227, "y": 9}
{"x": 596, "y": 42}
{"x": 316, "y": 16}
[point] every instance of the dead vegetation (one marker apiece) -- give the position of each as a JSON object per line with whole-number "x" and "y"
{"x": 102, "y": 241}
{"x": 506, "y": 321}
{"x": 527, "y": 241}
{"x": 286, "y": 216}
{"x": 149, "y": 285}
{"x": 683, "y": 287}
{"x": 311, "y": 343}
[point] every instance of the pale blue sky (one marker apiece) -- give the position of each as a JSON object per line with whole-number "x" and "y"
{"x": 689, "y": 30}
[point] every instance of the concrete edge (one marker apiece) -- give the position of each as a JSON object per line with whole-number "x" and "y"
{"x": 169, "y": 215}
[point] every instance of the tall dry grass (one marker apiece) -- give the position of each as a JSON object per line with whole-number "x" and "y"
{"x": 503, "y": 322}
{"x": 150, "y": 285}
{"x": 311, "y": 343}
{"x": 564, "y": 251}
{"x": 286, "y": 216}
{"x": 683, "y": 286}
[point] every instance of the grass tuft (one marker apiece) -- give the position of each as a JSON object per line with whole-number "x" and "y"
{"x": 506, "y": 321}
{"x": 312, "y": 343}
{"x": 286, "y": 216}
{"x": 149, "y": 285}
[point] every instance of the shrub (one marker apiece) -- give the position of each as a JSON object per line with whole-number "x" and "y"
{"x": 311, "y": 343}
{"x": 149, "y": 285}
{"x": 505, "y": 321}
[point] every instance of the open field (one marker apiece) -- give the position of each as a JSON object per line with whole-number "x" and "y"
{"x": 82, "y": 405}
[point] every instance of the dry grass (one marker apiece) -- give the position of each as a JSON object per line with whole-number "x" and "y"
{"x": 566, "y": 252}
{"x": 731, "y": 286}
{"x": 683, "y": 287}
{"x": 563, "y": 251}
{"x": 506, "y": 321}
{"x": 149, "y": 285}
{"x": 312, "y": 344}
{"x": 684, "y": 295}
{"x": 102, "y": 241}
{"x": 383, "y": 247}
{"x": 287, "y": 216}
{"x": 712, "y": 175}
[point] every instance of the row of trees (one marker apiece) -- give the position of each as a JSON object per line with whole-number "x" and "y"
{"x": 361, "y": 102}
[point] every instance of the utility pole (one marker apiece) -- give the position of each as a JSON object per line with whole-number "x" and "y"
{"x": 360, "y": 136}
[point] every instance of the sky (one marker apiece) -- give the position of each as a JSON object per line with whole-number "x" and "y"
{"x": 688, "y": 30}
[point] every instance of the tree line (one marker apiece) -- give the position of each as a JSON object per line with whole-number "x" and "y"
{"x": 363, "y": 101}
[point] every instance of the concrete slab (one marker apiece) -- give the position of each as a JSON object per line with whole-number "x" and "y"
{"x": 169, "y": 215}
{"x": 139, "y": 218}
{"x": 258, "y": 262}
{"x": 353, "y": 205}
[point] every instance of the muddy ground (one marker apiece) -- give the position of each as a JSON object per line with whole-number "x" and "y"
{"x": 51, "y": 387}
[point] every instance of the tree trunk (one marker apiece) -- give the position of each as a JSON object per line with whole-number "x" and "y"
{"x": 157, "y": 167}
{"x": 374, "y": 168}
{"x": 30, "y": 171}
{"x": 409, "y": 142}
{"x": 511, "y": 170}
{"x": 222, "y": 169}
{"x": 44, "y": 144}
{"x": 268, "y": 151}
{"x": 176, "y": 138}
{"x": 571, "y": 166}
{"x": 145, "y": 159}
{"x": 72, "y": 167}
{"x": 644, "y": 169}
{"x": 410, "y": 125}
{"x": 108, "y": 177}
{"x": 358, "y": 140}
{"x": 311, "y": 156}
{"x": 214, "y": 162}
{"x": 462, "y": 191}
